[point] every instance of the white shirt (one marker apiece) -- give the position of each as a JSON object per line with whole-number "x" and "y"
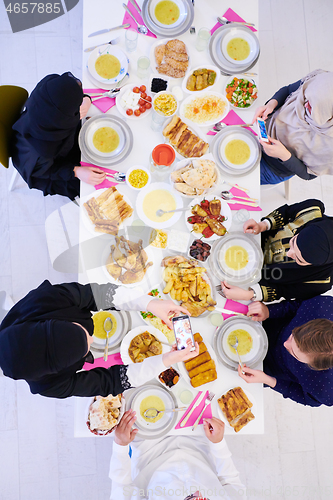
{"x": 172, "y": 468}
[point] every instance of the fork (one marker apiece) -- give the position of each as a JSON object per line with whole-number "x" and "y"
{"x": 111, "y": 42}
{"x": 208, "y": 400}
{"x": 109, "y": 93}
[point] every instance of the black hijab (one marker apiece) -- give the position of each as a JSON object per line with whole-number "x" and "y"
{"x": 52, "y": 115}
{"x": 38, "y": 337}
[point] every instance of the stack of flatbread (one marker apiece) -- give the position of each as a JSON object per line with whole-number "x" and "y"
{"x": 201, "y": 369}
{"x": 172, "y": 58}
{"x": 108, "y": 211}
{"x": 236, "y": 407}
{"x": 195, "y": 178}
{"x": 104, "y": 412}
{"x": 183, "y": 140}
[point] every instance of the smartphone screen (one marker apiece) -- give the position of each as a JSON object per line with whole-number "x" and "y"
{"x": 183, "y": 331}
{"x": 262, "y": 130}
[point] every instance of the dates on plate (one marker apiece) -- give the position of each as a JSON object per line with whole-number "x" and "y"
{"x": 200, "y": 250}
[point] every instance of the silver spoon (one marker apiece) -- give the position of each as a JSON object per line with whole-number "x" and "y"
{"x": 235, "y": 345}
{"x": 117, "y": 176}
{"x": 226, "y": 195}
{"x": 220, "y": 125}
{"x": 161, "y": 212}
{"x": 108, "y": 325}
{"x": 154, "y": 412}
{"x": 141, "y": 27}
{"x": 224, "y": 20}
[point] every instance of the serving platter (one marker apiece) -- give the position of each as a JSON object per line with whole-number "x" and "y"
{"x": 202, "y": 94}
{"x": 140, "y": 210}
{"x": 225, "y": 211}
{"x": 153, "y": 63}
{"x": 169, "y": 31}
{"x": 241, "y": 77}
{"x": 91, "y": 154}
{"x": 120, "y": 108}
{"x": 208, "y": 385}
{"x": 205, "y": 66}
{"x": 124, "y": 324}
{"x": 133, "y": 333}
{"x": 223, "y": 350}
{"x": 192, "y": 128}
{"x": 98, "y": 432}
{"x": 187, "y": 161}
{"x": 221, "y": 415}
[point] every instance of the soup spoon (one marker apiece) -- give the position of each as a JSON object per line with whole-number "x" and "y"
{"x": 235, "y": 345}
{"x": 226, "y": 195}
{"x": 108, "y": 325}
{"x": 141, "y": 27}
{"x": 220, "y": 125}
{"x": 161, "y": 212}
{"x": 154, "y": 412}
{"x": 224, "y": 20}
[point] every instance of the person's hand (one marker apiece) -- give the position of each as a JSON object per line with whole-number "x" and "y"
{"x": 84, "y": 108}
{"x": 258, "y": 311}
{"x": 263, "y": 111}
{"x": 256, "y": 376}
{"x": 275, "y": 149}
{"x": 90, "y": 175}
{"x": 175, "y": 356}
{"x": 124, "y": 434}
{"x": 253, "y": 227}
{"x": 235, "y": 292}
{"x": 165, "y": 309}
{"x": 214, "y": 429}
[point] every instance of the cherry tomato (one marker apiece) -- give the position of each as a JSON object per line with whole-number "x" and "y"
{"x": 148, "y": 98}
{"x": 141, "y": 102}
{"x": 136, "y": 90}
{"x": 147, "y": 105}
{"x": 143, "y": 88}
{"x": 143, "y": 95}
{"x": 142, "y": 109}
{"x": 137, "y": 112}
{"x": 129, "y": 111}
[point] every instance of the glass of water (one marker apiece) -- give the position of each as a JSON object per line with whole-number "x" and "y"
{"x": 131, "y": 40}
{"x": 143, "y": 67}
{"x": 203, "y": 38}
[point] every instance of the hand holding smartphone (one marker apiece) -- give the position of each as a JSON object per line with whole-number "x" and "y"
{"x": 262, "y": 130}
{"x": 183, "y": 331}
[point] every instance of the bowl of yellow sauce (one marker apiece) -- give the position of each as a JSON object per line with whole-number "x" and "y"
{"x": 167, "y": 13}
{"x": 158, "y": 195}
{"x": 238, "y": 150}
{"x": 108, "y": 64}
{"x": 238, "y": 47}
{"x": 137, "y": 177}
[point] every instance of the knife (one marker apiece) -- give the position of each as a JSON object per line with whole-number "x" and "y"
{"x": 100, "y": 32}
{"x": 198, "y": 402}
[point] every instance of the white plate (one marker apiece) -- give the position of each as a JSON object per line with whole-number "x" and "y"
{"x": 246, "y": 269}
{"x": 189, "y": 73}
{"x": 203, "y": 93}
{"x": 170, "y": 30}
{"x": 236, "y": 33}
{"x": 255, "y": 339}
{"x": 114, "y": 51}
{"x": 176, "y": 368}
{"x": 139, "y": 205}
{"x": 133, "y": 333}
{"x": 100, "y": 124}
{"x": 253, "y": 409}
{"x": 122, "y": 110}
{"x": 180, "y": 20}
{"x": 183, "y": 163}
{"x": 153, "y": 60}
{"x": 225, "y": 210}
{"x": 185, "y": 375}
{"x": 86, "y": 219}
{"x": 152, "y": 257}
{"x": 240, "y": 137}
{"x": 107, "y": 86}
{"x": 241, "y": 77}
{"x": 124, "y": 323}
{"x": 192, "y": 128}
{"x": 105, "y": 433}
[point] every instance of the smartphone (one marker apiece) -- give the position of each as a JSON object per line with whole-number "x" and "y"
{"x": 183, "y": 331}
{"x": 262, "y": 130}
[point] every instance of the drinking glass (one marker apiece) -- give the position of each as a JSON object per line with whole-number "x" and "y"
{"x": 143, "y": 67}
{"x": 157, "y": 121}
{"x": 131, "y": 40}
{"x": 203, "y": 38}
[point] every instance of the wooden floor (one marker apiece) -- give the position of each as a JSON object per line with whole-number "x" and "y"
{"x": 39, "y": 458}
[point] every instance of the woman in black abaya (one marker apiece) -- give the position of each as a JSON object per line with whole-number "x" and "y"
{"x": 45, "y": 144}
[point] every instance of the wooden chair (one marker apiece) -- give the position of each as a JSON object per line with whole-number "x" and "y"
{"x": 12, "y": 100}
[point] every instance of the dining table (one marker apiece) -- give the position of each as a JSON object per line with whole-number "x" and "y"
{"x": 102, "y": 14}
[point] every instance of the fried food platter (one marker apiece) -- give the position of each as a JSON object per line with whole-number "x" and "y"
{"x": 238, "y": 411}
{"x": 126, "y": 342}
{"x": 225, "y": 211}
{"x": 185, "y": 373}
{"x": 176, "y": 73}
{"x": 189, "y": 191}
{"x": 182, "y": 143}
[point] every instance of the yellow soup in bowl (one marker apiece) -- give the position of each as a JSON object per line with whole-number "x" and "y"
{"x": 167, "y": 12}
{"x": 245, "y": 341}
{"x": 106, "y": 139}
{"x": 99, "y": 319}
{"x": 236, "y": 257}
{"x": 238, "y": 49}
{"x": 237, "y": 152}
{"x": 152, "y": 402}
{"x": 158, "y": 199}
{"x": 107, "y": 66}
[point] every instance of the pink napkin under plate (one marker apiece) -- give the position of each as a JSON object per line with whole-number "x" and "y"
{"x": 128, "y": 19}
{"x": 103, "y": 104}
{"x": 113, "y": 359}
{"x": 207, "y": 413}
{"x": 106, "y": 183}
{"x": 231, "y": 16}
{"x": 234, "y": 306}
{"x": 232, "y": 118}
{"x": 238, "y": 206}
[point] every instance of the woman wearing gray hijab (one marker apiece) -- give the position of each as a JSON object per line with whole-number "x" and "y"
{"x": 299, "y": 123}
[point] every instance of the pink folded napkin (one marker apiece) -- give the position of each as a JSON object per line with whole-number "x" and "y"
{"x": 106, "y": 183}
{"x": 103, "y": 104}
{"x": 234, "y": 306}
{"x": 128, "y": 19}
{"x": 231, "y": 16}
{"x": 238, "y": 206}
{"x": 113, "y": 359}
{"x": 232, "y": 118}
{"x": 207, "y": 413}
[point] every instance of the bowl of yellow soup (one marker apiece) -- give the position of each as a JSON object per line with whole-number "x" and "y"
{"x": 237, "y": 150}
{"x": 252, "y": 342}
{"x": 238, "y": 47}
{"x": 158, "y": 195}
{"x": 138, "y": 177}
{"x": 121, "y": 322}
{"x": 108, "y": 64}
{"x": 105, "y": 139}
{"x": 167, "y": 13}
